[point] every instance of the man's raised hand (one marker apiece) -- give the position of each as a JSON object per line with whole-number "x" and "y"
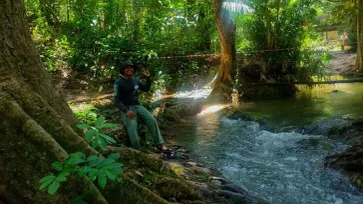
{"x": 146, "y": 72}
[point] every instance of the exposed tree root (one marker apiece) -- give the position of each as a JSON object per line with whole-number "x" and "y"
{"x": 41, "y": 136}
{"x": 37, "y": 136}
{"x": 37, "y": 127}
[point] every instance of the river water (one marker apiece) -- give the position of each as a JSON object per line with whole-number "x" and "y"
{"x": 280, "y": 166}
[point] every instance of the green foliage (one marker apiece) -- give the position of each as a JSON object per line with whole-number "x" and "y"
{"x": 311, "y": 63}
{"x": 89, "y": 36}
{"x": 101, "y": 169}
{"x": 86, "y": 115}
{"x": 277, "y": 30}
{"x": 94, "y": 167}
{"x": 94, "y": 134}
{"x": 53, "y": 182}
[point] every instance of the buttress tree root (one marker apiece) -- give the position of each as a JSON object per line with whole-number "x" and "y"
{"x": 37, "y": 126}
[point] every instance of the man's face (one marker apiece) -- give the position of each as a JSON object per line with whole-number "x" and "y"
{"x": 129, "y": 71}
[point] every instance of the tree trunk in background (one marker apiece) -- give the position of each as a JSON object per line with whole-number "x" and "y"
{"x": 277, "y": 26}
{"x": 226, "y": 29}
{"x": 68, "y": 10}
{"x": 359, "y": 61}
{"x": 268, "y": 22}
{"x": 37, "y": 126}
{"x": 102, "y": 16}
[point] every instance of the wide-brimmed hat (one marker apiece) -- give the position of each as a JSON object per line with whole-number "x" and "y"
{"x": 127, "y": 63}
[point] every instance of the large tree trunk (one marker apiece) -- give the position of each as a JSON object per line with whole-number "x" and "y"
{"x": 37, "y": 127}
{"x": 359, "y": 61}
{"x": 226, "y": 29}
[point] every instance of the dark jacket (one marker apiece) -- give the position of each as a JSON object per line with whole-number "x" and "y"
{"x": 126, "y": 92}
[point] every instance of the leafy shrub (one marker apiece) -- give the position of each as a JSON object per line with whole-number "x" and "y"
{"x": 86, "y": 115}
{"x": 94, "y": 134}
{"x": 94, "y": 167}
{"x": 277, "y": 30}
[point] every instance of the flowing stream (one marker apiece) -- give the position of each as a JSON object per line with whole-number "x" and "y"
{"x": 277, "y": 165}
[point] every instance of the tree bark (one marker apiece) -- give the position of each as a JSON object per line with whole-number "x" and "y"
{"x": 102, "y": 16}
{"x": 37, "y": 125}
{"x": 277, "y": 26}
{"x": 359, "y": 61}
{"x": 226, "y": 29}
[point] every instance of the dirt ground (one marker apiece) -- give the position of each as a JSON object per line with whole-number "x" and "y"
{"x": 341, "y": 63}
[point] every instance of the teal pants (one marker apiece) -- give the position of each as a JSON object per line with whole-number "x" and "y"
{"x": 146, "y": 118}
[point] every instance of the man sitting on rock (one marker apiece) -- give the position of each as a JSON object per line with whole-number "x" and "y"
{"x": 126, "y": 93}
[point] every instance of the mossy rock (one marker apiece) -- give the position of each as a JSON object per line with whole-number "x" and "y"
{"x": 176, "y": 189}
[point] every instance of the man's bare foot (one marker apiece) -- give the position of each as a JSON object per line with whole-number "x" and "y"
{"x": 163, "y": 148}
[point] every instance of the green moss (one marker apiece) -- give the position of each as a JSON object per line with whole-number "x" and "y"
{"x": 175, "y": 188}
{"x": 246, "y": 115}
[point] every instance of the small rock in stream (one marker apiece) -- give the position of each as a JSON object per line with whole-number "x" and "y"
{"x": 223, "y": 181}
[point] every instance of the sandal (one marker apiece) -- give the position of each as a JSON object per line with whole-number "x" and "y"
{"x": 172, "y": 154}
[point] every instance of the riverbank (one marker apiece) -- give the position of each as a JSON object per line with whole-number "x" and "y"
{"x": 178, "y": 180}
{"x": 349, "y": 162}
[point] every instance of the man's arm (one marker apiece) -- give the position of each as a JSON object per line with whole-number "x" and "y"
{"x": 145, "y": 87}
{"x": 117, "y": 100}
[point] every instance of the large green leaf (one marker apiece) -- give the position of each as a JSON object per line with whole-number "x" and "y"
{"x": 62, "y": 177}
{"x": 105, "y": 162}
{"x": 47, "y": 178}
{"x": 53, "y": 187}
{"x": 45, "y": 184}
{"x": 107, "y": 138}
{"x": 99, "y": 122}
{"x": 114, "y": 167}
{"x": 96, "y": 142}
{"x": 83, "y": 171}
{"x": 57, "y": 166}
{"x": 89, "y": 135}
{"x": 93, "y": 160}
{"x": 75, "y": 161}
{"x": 92, "y": 174}
{"x": 69, "y": 168}
{"x": 102, "y": 143}
{"x": 83, "y": 126}
{"x": 111, "y": 175}
{"x": 102, "y": 180}
{"x": 109, "y": 125}
{"x": 92, "y": 115}
{"x": 77, "y": 155}
{"x": 114, "y": 156}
